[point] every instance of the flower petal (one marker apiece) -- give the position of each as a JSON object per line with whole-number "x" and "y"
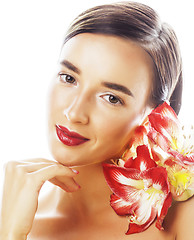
{"x": 122, "y": 181}
{"x": 161, "y": 216}
{"x": 136, "y": 228}
{"x": 183, "y": 159}
{"x": 159, "y": 178}
{"x": 143, "y": 160}
{"x": 120, "y": 206}
{"x": 159, "y": 139}
{"x": 166, "y": 111}
{"x": 163, "y": 130}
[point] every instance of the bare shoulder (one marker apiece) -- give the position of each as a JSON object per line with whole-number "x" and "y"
{"x": 184, "y": 220}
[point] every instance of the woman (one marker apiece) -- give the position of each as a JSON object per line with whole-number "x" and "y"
{"x": 117, "y": 63}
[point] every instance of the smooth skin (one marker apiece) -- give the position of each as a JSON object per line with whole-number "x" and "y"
{"x": 82, "y": 99}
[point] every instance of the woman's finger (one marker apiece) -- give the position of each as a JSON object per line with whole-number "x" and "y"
{"x": 69, "y": 185}
{"x": 49, "y": 172}
{"x": 32, "y": 167}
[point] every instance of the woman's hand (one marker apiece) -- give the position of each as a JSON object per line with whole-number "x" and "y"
{"x": 23, "y": 181}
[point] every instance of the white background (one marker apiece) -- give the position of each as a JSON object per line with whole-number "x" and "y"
{"x": 31, "y": 34}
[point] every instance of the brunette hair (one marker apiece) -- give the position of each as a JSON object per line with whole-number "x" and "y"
{"x": 140, "y": 23}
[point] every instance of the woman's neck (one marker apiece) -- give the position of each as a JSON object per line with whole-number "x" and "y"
{"x": 93, "y": 196}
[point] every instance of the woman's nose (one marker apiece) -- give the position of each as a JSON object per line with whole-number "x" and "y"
{"x": 77, "y": 111}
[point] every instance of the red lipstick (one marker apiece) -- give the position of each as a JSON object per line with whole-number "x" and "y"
{"x": 69, "y": 138}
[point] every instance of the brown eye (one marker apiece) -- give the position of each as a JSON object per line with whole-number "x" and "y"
{"x": 67, "y": 78}
{"x": 114, "y": 100}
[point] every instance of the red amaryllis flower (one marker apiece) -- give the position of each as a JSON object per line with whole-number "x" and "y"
{"x": 140, "y": 191}
{"x": 166, "y": 132}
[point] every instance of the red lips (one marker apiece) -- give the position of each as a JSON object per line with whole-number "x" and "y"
{"x": 69, "y": 138}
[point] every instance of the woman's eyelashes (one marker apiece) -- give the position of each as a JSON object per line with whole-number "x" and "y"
{"x": 112, "y": 99}
{"x": 66, "y": 78}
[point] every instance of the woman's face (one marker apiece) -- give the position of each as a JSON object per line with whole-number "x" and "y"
{"x": 100, "y": 92}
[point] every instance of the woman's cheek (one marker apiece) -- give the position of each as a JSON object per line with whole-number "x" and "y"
{"x": 60, "y": 96}
{"x": 116, "y": 132}
{"x": 113, "y": 128}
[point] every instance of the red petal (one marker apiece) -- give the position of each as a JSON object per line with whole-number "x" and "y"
{"x": 135, "y": 228}
{"x": 159, "y": 139}
{"x": 183, "y": 159}
{"x": 129, "y": 162}
{"x": 158, "y": 176}
{"x": 143, "y": 160}
{"x": 170, "y": 162}
{"x": 156, "y": 156}
{"x": 158, "y": 122}
{"x": 190, "y": 159}
{"x": 165, "y": 207}
{"x": 166, "y": 111}
{"x": 119, "y": 179}
{"x": 120, "y": 206}
{"x": 165, "y": 126}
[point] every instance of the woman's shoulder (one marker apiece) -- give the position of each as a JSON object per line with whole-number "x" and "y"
{"x": 184, "y": 219}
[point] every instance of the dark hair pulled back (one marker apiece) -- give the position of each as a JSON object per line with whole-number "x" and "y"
{"x": 140, "y": 23}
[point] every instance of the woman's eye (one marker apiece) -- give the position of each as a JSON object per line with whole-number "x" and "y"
{"x": 113, "y": 99}
{"x": 67, "y": 78}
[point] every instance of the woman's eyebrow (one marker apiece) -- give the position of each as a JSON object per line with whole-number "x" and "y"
{"x": 70, "y": 66}
{"x": 118, "y": 87}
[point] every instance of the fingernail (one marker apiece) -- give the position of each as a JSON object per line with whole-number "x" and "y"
{"x": 75, "y": 171}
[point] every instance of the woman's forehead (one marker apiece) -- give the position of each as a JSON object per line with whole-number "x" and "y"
{"x": 105, "y": 51}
